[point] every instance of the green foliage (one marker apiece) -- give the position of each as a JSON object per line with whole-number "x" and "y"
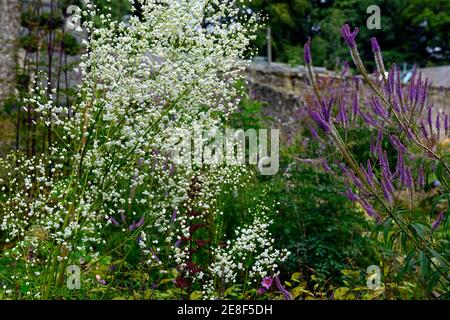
{"x": 409, "y": 29}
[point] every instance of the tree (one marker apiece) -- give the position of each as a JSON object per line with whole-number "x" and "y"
{"x": 9, "y": 38}
{"x": 412, "y": 31}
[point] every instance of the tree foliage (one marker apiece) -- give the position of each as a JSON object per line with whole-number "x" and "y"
{"x": 412, "y": 31}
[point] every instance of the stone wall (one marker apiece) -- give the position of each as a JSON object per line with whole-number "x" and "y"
{"x": 283, "y": 88}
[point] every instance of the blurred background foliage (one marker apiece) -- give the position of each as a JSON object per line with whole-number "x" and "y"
{"x": 412, "y": 31}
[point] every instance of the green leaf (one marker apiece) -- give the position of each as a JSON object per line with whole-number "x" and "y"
{"x": 423, "y": 260}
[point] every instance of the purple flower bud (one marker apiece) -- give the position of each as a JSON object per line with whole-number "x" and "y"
{"x": 399, "y": 167}
{"x": 122, "y": 217}
{"x": 424, "y": 92}
{"x": 326, "y": 109}
{"x": 371, "y": 145}
{"x": 378, "y": 108}
{"x": 370, "y": 174}
{"x": 355, "y": 104}
{"x": 386, "y": 192}
{"x": 153, "y": 255}
{"x": 174, "y": 214}
{"x": 438, "y": 125}
{"x": 421, "y": 178}
{"x": 132, "y": 226}
{"x": 368, "y": 119}
{"x": 408, "y": 178}
{"x": 418, "y": 90}
{"x": 409, "y": 133}
{"x": 387, "y": 183}
{"x": 266, "y": 283}
{"x": 366, "y": 175}
{"x": 436, "y": 223}
{"x": 345, "y": 68}
{"x": 325, "y": 165}
{"x": 351, "y": 175}
{"x": 379, "y": 142}
{"x": 350, "y": 195}
{"x": 397, "y": 144}
{"x": 370, "y": 210}
{"x": 384, "y": 164}
{"x": 261, "y": 290}
{"x": 390, "y": 81}
{"x": 446, "y": 124}
{"x": 399, "y": 87}
{"x": 307, "y": 51}
{"x": 342, "y": 116}
{"x": 430, "y": 120}
{"x": 140, "y": 222}
{"x": 280, "y": 287}
{"x": 424, "y": 131}
{"x": 349, "y": 36}
{"x": 113, "y": 221}
{"x": 313, "y": 132}
{"x": 375, "y": 46}
{"x": 412, "y": 87}
{"x": 319, "y": 120}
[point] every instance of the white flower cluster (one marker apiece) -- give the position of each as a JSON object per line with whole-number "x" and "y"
{"x": 173, "y": 68}
{"x": 251, "y": 254}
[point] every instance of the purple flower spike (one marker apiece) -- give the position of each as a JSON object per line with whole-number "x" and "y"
{"x": 366, "y": 175}
{"x": 399, "y": 87}
{"x": 325, "y": 165}
{"x": 370, "y": 210}
{"x": 140, "y": 222}
{"x": 350, "y": 195}
{"x": 438, "y": 125}
{"x": 424, "y": 130}
{"x": 349, "y": 36}
{"x": 408, "y": 178}
{"x": 319, "y": 120}
{"x": 174, "y": 214}
{"x": 326, "y": 109}
{"x": 307, "y": 51}
{"x": 280, "y": 287}
{"x": 421, "y": 178}
{"x": 430, "y": 120}
{"x": 368, "y": 119}
{"x": 370, "y": 174}
{"x": 379, "y": 142}
{"x": 261, "y": 290}
{"x": 397, "y": 144}
{"x": 386, "y": 192}
{"x": 446, "y": 123}
{"x": 378, "y": 108}
{"x": 132, "y": 226}
{"x": 436, "y": 223}
{"x": 375, "y": 46}
{"x": 313, "y": 132}
{"x": 355, "y": 104}
{"x": 122, "y": 217}
{"x": 113, "y": 221}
